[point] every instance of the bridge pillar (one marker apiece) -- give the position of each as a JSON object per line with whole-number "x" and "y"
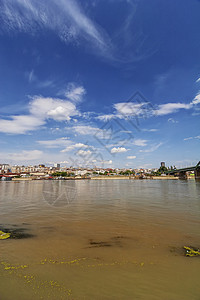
{"x": 197, "y": 174}
{"x": 182, "y": 175}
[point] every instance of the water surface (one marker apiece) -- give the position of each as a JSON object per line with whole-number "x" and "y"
{"x": 101, "y": 239}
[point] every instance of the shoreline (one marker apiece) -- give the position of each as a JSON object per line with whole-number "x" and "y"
{"x": 105, "y": 178}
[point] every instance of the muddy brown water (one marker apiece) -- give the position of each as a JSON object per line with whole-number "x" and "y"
{"x": 108, "y": 239}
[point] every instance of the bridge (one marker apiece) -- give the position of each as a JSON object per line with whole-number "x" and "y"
{"x": 182, "y": 173}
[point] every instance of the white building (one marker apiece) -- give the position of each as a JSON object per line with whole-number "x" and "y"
{"x": 57, "y": 166}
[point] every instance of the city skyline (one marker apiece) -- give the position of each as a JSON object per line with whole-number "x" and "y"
{"x": 112, "y": 82}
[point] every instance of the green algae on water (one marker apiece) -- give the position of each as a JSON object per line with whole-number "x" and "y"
{"x": 4, "y": 235}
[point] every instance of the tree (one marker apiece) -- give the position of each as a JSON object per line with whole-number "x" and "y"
{"x": 162, "y": 170}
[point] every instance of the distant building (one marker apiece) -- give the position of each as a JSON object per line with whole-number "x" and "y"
{"x": 162, "y": 164}
{"x": 4, "y": 168}
{"x": 57, "y": 166}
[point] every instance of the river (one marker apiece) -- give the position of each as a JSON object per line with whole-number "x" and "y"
{"x": 101, "y": 239}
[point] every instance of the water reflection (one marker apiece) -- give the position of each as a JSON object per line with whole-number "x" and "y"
{"x": 84, "y": 196}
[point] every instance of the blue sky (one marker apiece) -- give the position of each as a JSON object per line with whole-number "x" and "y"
{"x": 105, "y": 83}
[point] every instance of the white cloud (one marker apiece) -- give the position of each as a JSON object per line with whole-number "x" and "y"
{"x": 56, "y": 109}
{"x": 84, "y": 152}
{"x": 131, "y": 157}
{"x": 140, "y": 142}
{"x": 107, "y": 162}
{"x": 20, "y": 124}
{"x": 152, "y": 148}
{"x": 191, "y": 138}
{"x": 150, "y": 130}
{"x": 129, "y": 109}
{"x": 64, "y": 141}
{"x": 106, "y": 118}
{"x": 119, "y": 150}
{"x": 89, "y": 130}
{"x": 74, "y": 92}
{"x": 196, "y": 100}
{"x": 125, "y": 110}
{"x": 40, "y": 110}
{"x": 23, "y": 156}
{"x": 169, "y": 108}
{"x": 76, "y": 146}
{"x": 57, "y": 162}
{"x": 59, "y": 114}
{"x": 64, "y": 162}
{"x": 198, "y": 80}
{"x": 144, "y": 109}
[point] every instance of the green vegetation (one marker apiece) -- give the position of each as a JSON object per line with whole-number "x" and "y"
{"x": 191, "y": 252}
{"x": 63, "y": 174}
{"x": 4, "y": 235}
{"x": 127, "y": 173}
{"x": 163, "y": 170}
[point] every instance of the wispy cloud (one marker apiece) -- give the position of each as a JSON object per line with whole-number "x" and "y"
{"x": 134, "y": 109}
{"x": 150, "y": 130}
{"x": 80, "y": 146}
{"x": 23, "y": 155}
{"x": 31, "y": 76}
{"x": 57, "y": 143}
{"x": 64, "y": 162}
{"x": 196, "y": 100}
{"x": 127, "y": 110}
{"x": 82, "y": 22}
{"x": 192, "y": 138}
{"x": 152, "y": 148}
{"x": 106, "y": 162}
{"x": 75, "y": 92}
{"x": 65, "y": 17}
{"x": 46, "y": 83}
{"x": 94, "y": 132}
{"x": 130, "y": 109}
{"x": 140, "y": 142}
{"x": 84, "y": 129}
{"x": 171, "y": 120}
{"x": 106, "y": 117}
{"x": 133, "y": 45}
{"x": 68, "y": 20}
{"x": 131, "y": 157}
